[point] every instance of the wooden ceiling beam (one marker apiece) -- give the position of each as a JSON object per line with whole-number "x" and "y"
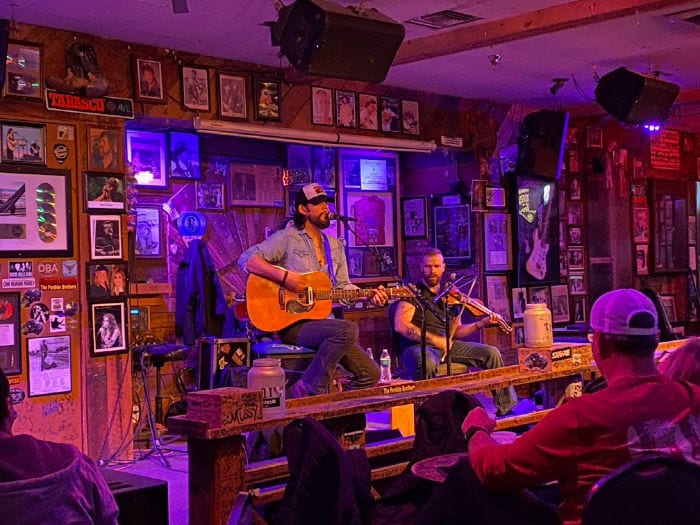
{"x": 556, "y": 18}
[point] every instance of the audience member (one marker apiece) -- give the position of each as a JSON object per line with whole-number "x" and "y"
{"x": 683, "y": 364}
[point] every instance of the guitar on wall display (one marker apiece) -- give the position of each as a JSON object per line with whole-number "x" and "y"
{"x": 272, "y": 307}
{"x": 536, "y": 264}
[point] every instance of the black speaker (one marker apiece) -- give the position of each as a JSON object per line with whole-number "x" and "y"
{"x": 4, "y": 41}
{"x": 322, "y": 38}
{"x": 141, "y": 500}
{"x": 634, "y": 98}
{"x": 541, "y": 143}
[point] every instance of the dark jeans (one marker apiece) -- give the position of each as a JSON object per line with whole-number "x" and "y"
{"x": 468, "y": 353}
{"x": 335, "y": 341}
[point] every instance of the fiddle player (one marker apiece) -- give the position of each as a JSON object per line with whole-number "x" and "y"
{"x": 407, "y": 323}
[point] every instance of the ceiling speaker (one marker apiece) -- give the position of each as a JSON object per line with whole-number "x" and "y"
{"x": 322, "y": 38}
{"x": 634, "y": 98}
{"x": 541, "y": 143}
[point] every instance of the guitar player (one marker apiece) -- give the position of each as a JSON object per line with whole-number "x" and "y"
{"x": 283, "y": 258}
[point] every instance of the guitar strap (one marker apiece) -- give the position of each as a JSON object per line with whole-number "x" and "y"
{"x": 329, "y": 259}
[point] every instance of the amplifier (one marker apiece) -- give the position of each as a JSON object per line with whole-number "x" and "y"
{"x": 141, "y": 500}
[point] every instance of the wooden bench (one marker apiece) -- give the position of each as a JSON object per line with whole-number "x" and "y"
{"x": 217, "y": 458}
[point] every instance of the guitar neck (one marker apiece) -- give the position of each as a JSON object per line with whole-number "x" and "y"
{"x": 354, "y": 294}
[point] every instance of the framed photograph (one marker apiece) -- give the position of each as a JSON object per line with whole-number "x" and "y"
{"x": 574, "y": 160}
{"x": 36, "y": 218}
{"x": 106, "y": 149}
{"x": 108, "y": 328}
{"x": 149, "y": 238}
{"x": 233, "y": 99}
{"x": 575, "y": 187}
{"x": 105, "y": 237}
{"x": 519, "y": 302}
{"x": 195, "y": 88}
{"x": 453, "y": 232}
{"x": 575, "y": 257}
{"x": 410, "y": 117}
{"x": 642, "y": 259}
{"x": 345, "y": 109}
{"x": 258, "y": 185}
{"x": 580, "y": 314}
{"x": 375, "y": 212}
{"x": 574, "y": 236}
{"x": 268, "y": 98}
{"x": 495, "y": 197}
{"x": 414, "y": 211}
{"x": 106, "y": 280}
{"x": 497, "y": 242}
{"x": 390, "y": 114}
{"x": 324, "y": 165}
{"x": 210, "y": 196}
{"x": 149, "y": 87}
{"x": 668, "y": 303}
{"x": 184, "y": 155}
{"x": 640, "y": 224}
{"x": 49, "y": 365}
{"x": 497, "y": 295}
{"x": 356, "y": 260}
{"x": 478, "y": 195}
{"x": 10, "y": 346}
{"x": 104, "y": 192}
{"x": 517, "y": 336}
{"x": 576, "y": 284}
{"x": 23, "y": 143}
{"x": 560, "y": 304}
{"x": 369, "y": 115}
{"x": 594, "y": 137}
{"x": 539, "y": 295}
{"x": 575, "y": 213}
{"x": 146, "y": 153}
{"x": 23, "y": 75}
{"x": 563, "y": 263}
{"x": 639, "y": 171}
{"x": 321, "y": 106}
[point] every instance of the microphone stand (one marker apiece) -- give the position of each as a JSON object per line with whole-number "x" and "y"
{"x": 418, "y": 299}
{"x": 442, "y": 297}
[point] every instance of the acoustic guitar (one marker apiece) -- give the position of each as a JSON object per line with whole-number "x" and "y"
{"x": 272, "y": 307}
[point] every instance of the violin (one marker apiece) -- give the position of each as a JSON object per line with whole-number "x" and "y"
{"x": 477, "y": 308}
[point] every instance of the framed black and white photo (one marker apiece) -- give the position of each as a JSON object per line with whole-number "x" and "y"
{"x": 184, "y": 155}
{"x": 640, "y": 224}
{"x": 414, "y": 212}
{"x": 105, "y": 237}
{"x": 104, "y": 192}
{"x": 345, "y": 109}
{"x": 519, "y": 302}
{"x": 321, "y": 106}
{"x": 575, "y": 257}
{"x": 106, "y": 149}
{"x": 10, "y": 347}
{"x": 574, "y": 235}
{"x": 579, "y": 306}
{"x": 410, "y": 117}
{"x": 577, "y": 286}
{"x": 539, "y": 295}
{"x": 147, "y": 154}
{"x": 497, "y": 242}
{"x": 517, "y": 336}
{"x": 389, "y": 114}
{"x": 369, "y": 112}
{"x": 560, "y": 303}
{"x": 668, "y": 303}
{"x": 148, "y": 75}
{"x": 108, "y": 328}
{"x": 453, "y": 232}
{"x": 210, "y": 196}
{"x": 49, "y": 365}
{"x": 232, "y": 97}
{"x": 268, "y": 98}
{"x": 497, "y": 295}
{"x": 149, "y": 238}
{"x": 642, "y": 259}
{"x": 195, "y": 88}
{"x": 23, "y": 143}
{"x": 23, "y": 75}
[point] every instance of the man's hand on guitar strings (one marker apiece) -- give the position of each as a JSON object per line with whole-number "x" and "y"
{"x": 380, "y": 296}
{"x": 294, "y": 282}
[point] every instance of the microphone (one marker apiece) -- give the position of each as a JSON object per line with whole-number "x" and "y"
{"x": 452, "y": 280}
{"x": 341, "y": 218}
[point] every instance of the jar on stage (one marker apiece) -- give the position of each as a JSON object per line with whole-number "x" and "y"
{"x": 267, "y": 375}
{"x": 537, "y": 321}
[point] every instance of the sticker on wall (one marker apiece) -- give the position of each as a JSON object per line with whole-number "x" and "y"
{"x": 57, "y": 304}
{"x": 20, "y": 269}
{"x": 17, "y": 395}
{"x": 32, "y": 327}
{"x": 70, "y": 268}
{"x": 65, "y": 133}
{"x": 31, "y": 296}
{"x": 57, "y": 323}
{"x": 47, "y": 268}
{"x": 60, "y": 152}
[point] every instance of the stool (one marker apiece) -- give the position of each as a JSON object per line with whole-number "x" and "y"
{"x": 157, "y": 355}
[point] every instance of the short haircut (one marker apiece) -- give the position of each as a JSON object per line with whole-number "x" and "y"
{"x": 430, "y": 252}
{"x": 634, "y": 345}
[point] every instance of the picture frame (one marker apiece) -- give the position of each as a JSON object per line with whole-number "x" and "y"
{"x": 149, "y": 232}
{"x": 594, "y": 137}
{"x": 105, "y": 237}
{"x": 668, "y": 303}
{"x": 23, "y": 143}
{"x": 35, "y": 228}
{"x": 497, "y": 295}
{"x": 104, "y": 192}
{"x": 106, "y": 149}
{"x": 517, "y": 336}
{"x": 410, "y": 117}
{"x": 375, "y": 212}
{"x": 452, "y": 230}
{"x": 669, "y": 210}
{"x": 577, "y": 286}
{"x": 495, "y": 197}
{"x": 478, "y": 195}
{"x": 195, "y": 88}
{"x": 580, "y": 311}
{"x": 184, "y": 156}
{"x": 108, "y": 328}
{"x": 233, "y": 96}
{"x": 560, "y": 304}
{"x": 23, "y": 71}
{"x": 575, "y": 255}
{"x": 268, "y": 100}
{"x": 539, "y": 295}
{"x": 574, "y": 161}
{"x": 497, "y": 242}
{"x": 146, "y": 153}
{"x": 519, "y": 296}
{"x": 49, "y": 365}
{"x": 639, "y": 171}
{"x": 575, "y": 213}
{"x": 369, "y": 111}
{"x": 148, "y": 81}
{"x": 105, "y": 279}
{"x": 574, "y": 235}
{"x": 321, "y": 106}
{"x": 575, "y": 187}
{"x": 255, "y": 185}
{"x": 640, "y": 224}
{"x": 345, "y": 109}
{"x": 389, "y": 115}
{"x": 324, "y": 166}
{"x": 211, "y": 196}
{"x": 642, "y": 259}
{"x": 563, "y": 263}
{"x": 10, "y": 346}
{"x": 414, "y": 211}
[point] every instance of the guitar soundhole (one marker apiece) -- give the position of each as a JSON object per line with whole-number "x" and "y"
{"x": 295, "y": 308}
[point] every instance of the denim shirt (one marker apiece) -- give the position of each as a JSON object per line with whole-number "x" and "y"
{"x": 293, "y": 248}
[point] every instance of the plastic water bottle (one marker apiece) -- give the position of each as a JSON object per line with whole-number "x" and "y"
{"x": 370, "y": 354}
{"x": 385, "y": 367}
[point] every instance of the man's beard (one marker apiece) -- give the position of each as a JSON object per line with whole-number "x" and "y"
{"x": 432, "y": 280}
{"x": 321, "y": 222}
